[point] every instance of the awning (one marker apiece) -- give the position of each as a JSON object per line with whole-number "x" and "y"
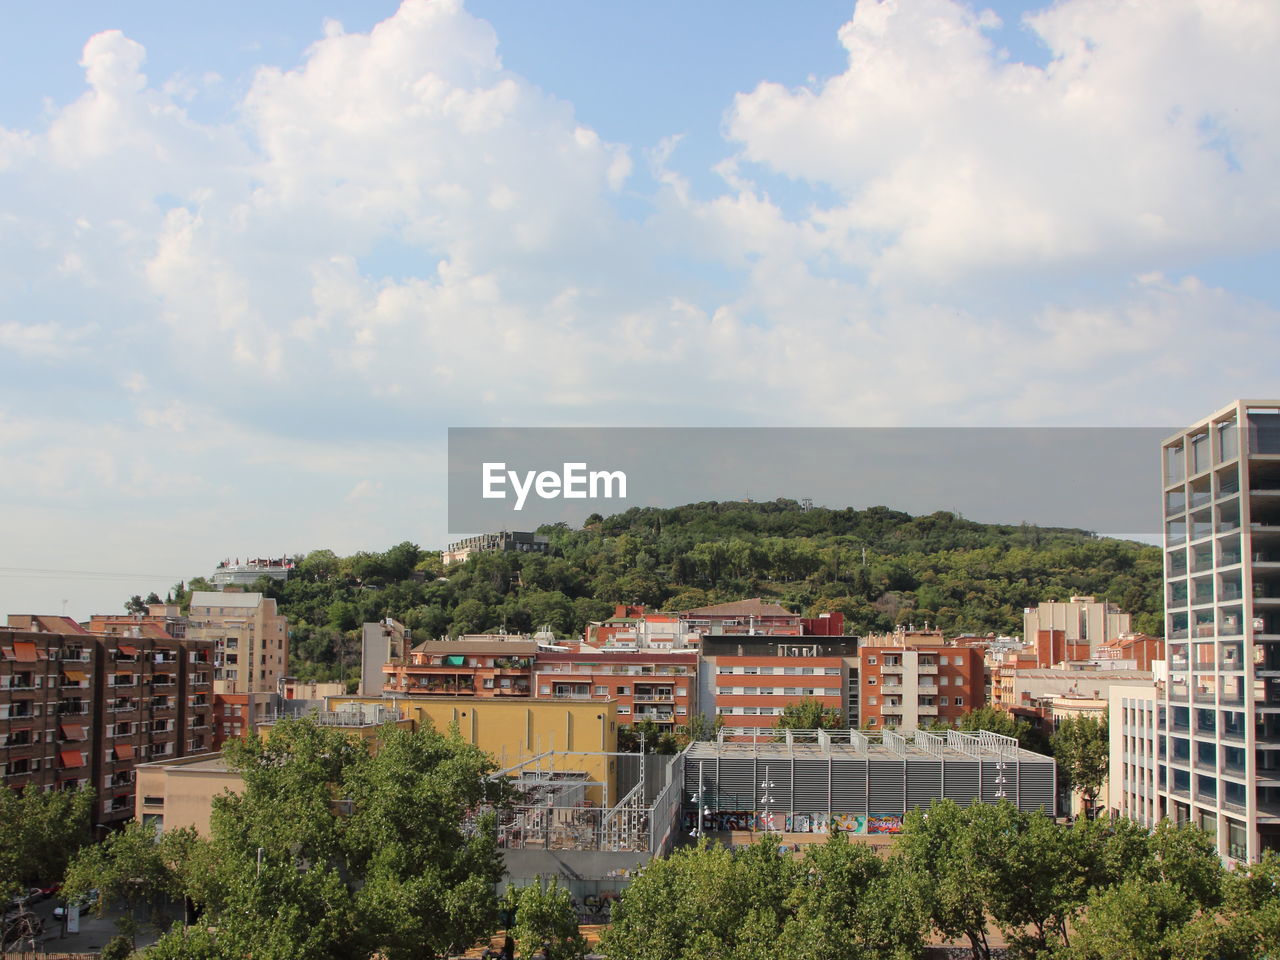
{"x": 128, "y": 650}
{"x": 453, "y": 661}
{"x": 25, "y": 651}
{"x": 124, "y": 751}
{"x": 79, "y": 676}
{"x": 72, "y": 731}
{"x": 7, "y": 653}
{"x": 72, "y": 758}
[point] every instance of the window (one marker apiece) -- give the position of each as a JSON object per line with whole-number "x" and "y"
{"x": 873, "y": 700}
{"x": 871, "y": 721}
{"x": 831, "y": 671}
{"x": 624, "y": 691}
{"x": 871, "y": 681}
{"x": 871, "y": 661}
{"x": 544, "y": 689}
{"x": 602, "y": 691}
{"x": 624, "y": 709}
{"x": 945, "y": 701}
{"x": 959, "y": 701}
{"x": 944, "y": 681}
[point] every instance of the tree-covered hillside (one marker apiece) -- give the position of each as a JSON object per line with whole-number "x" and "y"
{"x": 879, "y": 567}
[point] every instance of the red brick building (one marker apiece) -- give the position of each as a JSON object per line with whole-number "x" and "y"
{"x": 914, "y": 680}
{"x": 652, "y": 685}
{"x": 479, "y": 667}
{"x": 76, "y": 709}
{"x": 752, "y": 678}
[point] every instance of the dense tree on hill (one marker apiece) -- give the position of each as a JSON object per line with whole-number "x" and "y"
{"x": 879, "y": 567}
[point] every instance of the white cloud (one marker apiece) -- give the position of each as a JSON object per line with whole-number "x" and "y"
{"x": 1152, "y": 133}
{"x": 400, "y": 234}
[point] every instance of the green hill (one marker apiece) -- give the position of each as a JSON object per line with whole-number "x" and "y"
{"x": 879, "y": 567}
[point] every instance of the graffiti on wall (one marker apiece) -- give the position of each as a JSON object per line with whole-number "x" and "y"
{"x": 884, "y": 823}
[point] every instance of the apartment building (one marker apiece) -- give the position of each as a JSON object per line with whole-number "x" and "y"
{"x": 749, "y": 680}
{"x": 1136, "y": 770}
{"x": 655, "y": 685}
{"x": 79, "y": 710}
{"x": 634, "y": 627}
{"x": 250, "y": 640}
{"x": 505, "y": 541}
{"x": 161, "y": 620}
{"x": 380, "y": 643}
{"x": 481, "y": 667}
{"x": 917, "y": 680}
{"x": 1221, "y": 508}
{"x": 1082, "y": 620}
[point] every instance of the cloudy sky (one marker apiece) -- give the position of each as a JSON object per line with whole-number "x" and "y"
{"x": 255, "y": 259}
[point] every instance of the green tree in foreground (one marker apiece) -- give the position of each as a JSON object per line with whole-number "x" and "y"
{"x": 39, "y": 833}
{"x": 545, "y": 916}
{"x": 841, "y": 902}
{"x": 333, "y": 852}
{"x": 809, "y": 714}
{"x": 135, "y": 868}
{"x": 1083, "y": 751}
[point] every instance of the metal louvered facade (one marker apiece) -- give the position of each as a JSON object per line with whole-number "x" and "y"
{"x": 859, "y": 776}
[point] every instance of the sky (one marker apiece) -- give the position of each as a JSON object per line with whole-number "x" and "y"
{"x": 256, "y": 259}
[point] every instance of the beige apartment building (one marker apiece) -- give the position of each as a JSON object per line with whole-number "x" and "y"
{"x": 1081, "y": 619}
{"x": 250, "y": 640}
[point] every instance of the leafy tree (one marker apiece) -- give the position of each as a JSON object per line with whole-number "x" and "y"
{"x": 39, "y": 834}
{"x": 810, "y": 714}
{"x": 333, "y": 851}
{"x": 937, "y": 845}
{"x": 134, "y": 867}
{"x": 135, "y": 605}
{"x": 1083, "y": 752}
{"x": 545, "y": 916}
{"x": 849, "y": 903}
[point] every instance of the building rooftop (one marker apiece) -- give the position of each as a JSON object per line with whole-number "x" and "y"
{"x": 494, "y": 645}
{"x": 742, "y": 608}
{"x": 859, "y": 745}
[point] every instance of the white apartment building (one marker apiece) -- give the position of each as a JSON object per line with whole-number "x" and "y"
{"x": 1136, "y": 771}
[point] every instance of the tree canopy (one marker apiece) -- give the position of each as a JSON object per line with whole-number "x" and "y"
{"x": 333, "y": 850}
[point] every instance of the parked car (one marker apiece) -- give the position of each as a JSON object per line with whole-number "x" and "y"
{"x": 24, "y": 899}
{"x": 81, "y": 905}
{"x": 49, "y": 889}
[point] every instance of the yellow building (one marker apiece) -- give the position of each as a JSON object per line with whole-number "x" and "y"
{"x": 560, "y": 736}
{"x": 564, "y": 734}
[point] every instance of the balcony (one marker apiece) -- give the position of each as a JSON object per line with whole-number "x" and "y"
{"x": 926, "y": 669}
{"x": 891, "y": 668}
{"x": 654, "y": 698}
{"x": 927, "y": 709}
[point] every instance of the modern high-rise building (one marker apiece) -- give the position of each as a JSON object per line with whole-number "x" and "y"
{"x": 1221, "y": 503}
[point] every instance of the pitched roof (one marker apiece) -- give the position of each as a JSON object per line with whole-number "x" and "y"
{"x": 741, "y": 608}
